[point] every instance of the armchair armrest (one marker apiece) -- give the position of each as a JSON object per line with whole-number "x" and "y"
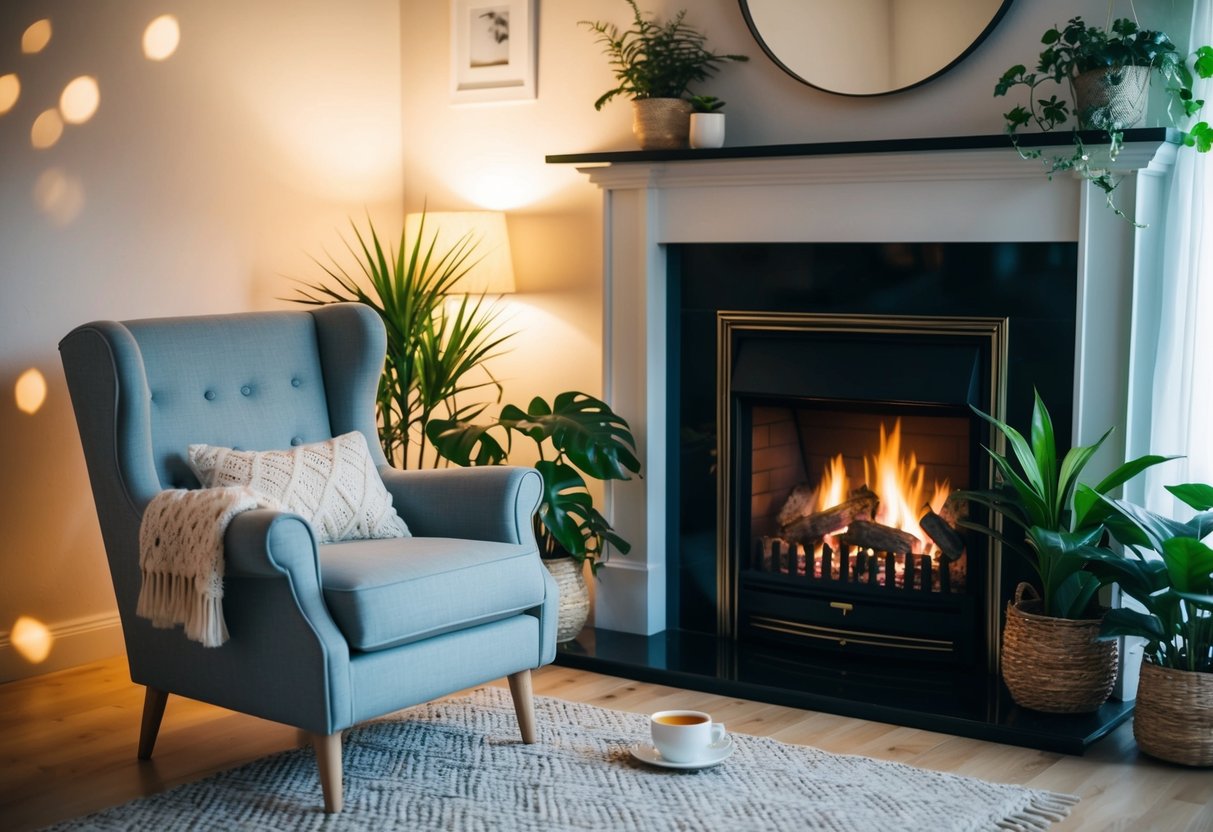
{"x": 492, "y": 502}
{"x": 274, "y": 544}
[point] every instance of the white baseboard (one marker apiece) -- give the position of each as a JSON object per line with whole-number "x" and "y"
{"x": 75, "y": 642}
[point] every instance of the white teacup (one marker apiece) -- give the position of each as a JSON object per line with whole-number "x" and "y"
{"x": 684, "y": 736}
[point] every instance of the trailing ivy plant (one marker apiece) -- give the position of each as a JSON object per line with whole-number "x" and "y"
{"x": 1079, "y": 48}
{"x": 655, "y": 59}
{"x": 437, "y": 349}
{"x": 576, "y": 436}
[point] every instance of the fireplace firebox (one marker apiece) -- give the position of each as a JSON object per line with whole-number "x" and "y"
{"x": 841, "y": 441}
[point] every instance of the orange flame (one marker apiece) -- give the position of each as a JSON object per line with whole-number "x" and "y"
{"x": 899, "y": 481}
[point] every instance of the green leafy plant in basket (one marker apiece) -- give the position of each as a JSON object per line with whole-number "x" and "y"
{"x": 1054, "y": 522}
{"x": 577, "y": 436}
{"x": 1175, "y": 586}
{"x": 1113, "y": 60}
{"x": 437, "y": 350}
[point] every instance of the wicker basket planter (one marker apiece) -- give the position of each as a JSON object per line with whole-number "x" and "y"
{"x": 1103, "y": 105}
{"x": 574, "y": 606}
{"x": 1173, "y": 719}
{"x": 1053, "y": 664}
{"x": 661, "y": 123}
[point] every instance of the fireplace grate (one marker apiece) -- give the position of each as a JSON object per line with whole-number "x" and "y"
{"x": 858, "y": 566}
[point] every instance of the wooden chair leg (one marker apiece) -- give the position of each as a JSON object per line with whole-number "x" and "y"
{"x": 328, "y": 763}
{"x": 524, "y": 704}
{"x": 153, "y": 711}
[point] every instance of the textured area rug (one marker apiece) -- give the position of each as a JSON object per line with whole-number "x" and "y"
{"x": 459, "y": 765}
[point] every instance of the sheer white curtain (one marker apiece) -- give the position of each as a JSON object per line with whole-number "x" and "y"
{"x": 1182, "y": 421}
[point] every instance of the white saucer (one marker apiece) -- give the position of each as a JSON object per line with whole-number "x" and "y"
{"x": 718, "y": 752}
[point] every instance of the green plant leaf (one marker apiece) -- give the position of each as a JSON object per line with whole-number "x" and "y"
{"x": 584, "y": 430}
{"x": 1195, "y": 495}
{"x": 1023, "y": 453}
{"x": 1126, "y": 622}
{"x": 1189, "y": 564}
{"x": 1044, "y": 451}
{"x": 1072, "y": 596}
{"x": 464, "y": 443}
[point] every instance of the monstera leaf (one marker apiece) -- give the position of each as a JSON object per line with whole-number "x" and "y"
{"x": 583, "y": 429}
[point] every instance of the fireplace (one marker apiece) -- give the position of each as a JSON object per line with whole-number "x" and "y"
{"x": 805, "y": 381}
{"x": 843, "y": 438}
{"x": 957, "y": 230}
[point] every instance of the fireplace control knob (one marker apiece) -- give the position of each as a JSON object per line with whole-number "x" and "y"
{"x": 844, "y": 606}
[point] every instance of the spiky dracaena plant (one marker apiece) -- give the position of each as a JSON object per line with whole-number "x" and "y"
{"x": 437, "y": 350}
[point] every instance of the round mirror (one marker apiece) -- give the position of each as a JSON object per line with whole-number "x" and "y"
{"x": 869, "y": 47}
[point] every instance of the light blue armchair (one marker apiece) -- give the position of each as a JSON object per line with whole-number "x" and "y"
{"x": 322, "y": 637}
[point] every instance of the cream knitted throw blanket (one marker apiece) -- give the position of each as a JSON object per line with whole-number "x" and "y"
{"x": 181, "y": 558}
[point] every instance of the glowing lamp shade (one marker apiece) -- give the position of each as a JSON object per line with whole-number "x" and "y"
{"x": 10, "y": 91}
{"x": 31, "y": 638}
{"x": 492, "y": 270}
{"x": 161, "y": 37}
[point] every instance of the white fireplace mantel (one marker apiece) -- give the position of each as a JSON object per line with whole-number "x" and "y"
{"x": 978, "y": 193}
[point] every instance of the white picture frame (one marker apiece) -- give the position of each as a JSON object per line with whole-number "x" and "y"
{"x": 493, "y": 50}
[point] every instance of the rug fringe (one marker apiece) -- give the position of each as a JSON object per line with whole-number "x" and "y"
{"x": 1041, "y": 813}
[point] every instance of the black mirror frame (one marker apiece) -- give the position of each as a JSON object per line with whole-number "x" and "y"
{"x": 749, "y": 21}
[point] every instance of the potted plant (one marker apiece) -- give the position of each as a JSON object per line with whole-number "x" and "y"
{"x": 434, "y": 353}
{"x": 1174, "y": 585}
{"x": 707, "y": 122}
{"x": 654, "y": 63}
{"x": 1052, "y": 659}
{"x": 1108, "y": 72}
{"x": 576, "y": 436}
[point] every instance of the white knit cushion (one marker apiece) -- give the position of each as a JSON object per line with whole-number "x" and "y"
{"x": 333, "y": 484}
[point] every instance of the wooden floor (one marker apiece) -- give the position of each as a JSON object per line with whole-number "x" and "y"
{"x": 69, "y": 748}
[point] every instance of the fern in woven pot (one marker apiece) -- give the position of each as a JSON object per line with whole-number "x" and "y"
{"x": 1052, "y": 657}
{"x": 655, "y": 62}
{"x": 1168, "y": 570}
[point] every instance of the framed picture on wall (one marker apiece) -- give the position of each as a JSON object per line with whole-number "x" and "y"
{"x": 493, "y": 49}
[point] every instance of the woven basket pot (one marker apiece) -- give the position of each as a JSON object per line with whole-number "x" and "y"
{"x": 1106, "y": 99}
{"x": 1054, "y": 664}
{"x": 574, "y": 606}
{"x": 1173, "y": 719}
{"x": 661, "y": 123}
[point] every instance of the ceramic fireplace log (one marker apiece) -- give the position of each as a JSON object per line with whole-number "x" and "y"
{"x": 951, "y": 545}
{"x": 869, "y": 535}
{"x": 861, "y": 505}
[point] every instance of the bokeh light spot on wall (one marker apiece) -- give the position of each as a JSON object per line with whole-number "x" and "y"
{"x": 59, "y": 196}
{"x": 32, "y": 639}
{"x": 10, "y": 91}
{"x": 161, "y": 37}
{"x": 47, "y": 129}
{"x": 30, "y": 391}
{"x": 36, "y": 37}
{"x": 79, "y": 99}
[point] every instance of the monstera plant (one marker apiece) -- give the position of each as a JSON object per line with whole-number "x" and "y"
{"x": 577, "y": 436}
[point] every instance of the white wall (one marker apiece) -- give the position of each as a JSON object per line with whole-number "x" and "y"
{"x": 200, "y": 182}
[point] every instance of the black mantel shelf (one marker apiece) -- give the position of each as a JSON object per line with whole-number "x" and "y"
{"x": 1091, "y": 137}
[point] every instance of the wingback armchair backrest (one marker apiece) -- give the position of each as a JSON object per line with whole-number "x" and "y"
{"x": 145, "y": 390}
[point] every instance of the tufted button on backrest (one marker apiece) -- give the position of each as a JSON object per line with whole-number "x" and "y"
{"x": 198, "y": 365}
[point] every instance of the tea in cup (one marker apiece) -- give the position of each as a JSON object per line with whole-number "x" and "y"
{"x": 684, "y": 736}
